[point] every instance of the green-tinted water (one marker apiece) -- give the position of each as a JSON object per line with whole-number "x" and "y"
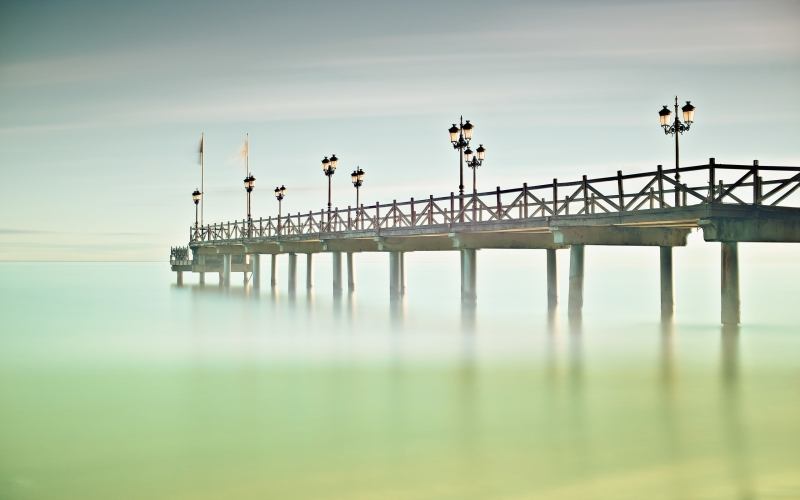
{"x": 114, "y": 383}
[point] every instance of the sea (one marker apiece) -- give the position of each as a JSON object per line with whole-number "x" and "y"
{"x": 117, "y": 383}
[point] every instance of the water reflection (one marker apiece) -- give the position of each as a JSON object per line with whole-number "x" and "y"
{"x": 734, "y": 429}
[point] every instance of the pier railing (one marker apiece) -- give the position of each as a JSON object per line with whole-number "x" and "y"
{"x": 660, "y": 189}
{"x": 179, "y": 256}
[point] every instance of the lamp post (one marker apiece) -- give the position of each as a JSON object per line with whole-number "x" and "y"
{"x": 358, "y": 180}
{"x": 474, "y": 160}
{"x": 196, "y": 196}
{"x": 328, "y": 168}
{"x": 280, "y": 192}
{"x": 460, "y": 135}
{"x": 249, "y": 184}
{"x": 676, "y": 127}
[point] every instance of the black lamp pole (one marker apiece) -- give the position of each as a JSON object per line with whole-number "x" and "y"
{"x": 676, "y": 128}
{"x": 460, "y": 135}
{"x": 196, "y": 195}
{"x": 280, "y": 192}
{"x": 329, "y": 168}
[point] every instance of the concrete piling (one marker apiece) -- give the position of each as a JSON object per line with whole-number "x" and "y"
{"x": 256, "y": 279}
{"x": 575, "y": 300}
{"x": 273, "y": 272}
{"x": 351, "y": 278}
{"x": 469, "y": 293}
{"x": 337, "y": 271}
{"x": 292, "y": 272}
{"x": 730, "y": 283}
{"x": 552, "y": 280}
{"x": 309, "y": 271}
{"x": 667, "y": 294}
{"x": 395, "y": 275}
{"x": 226, "y": 269}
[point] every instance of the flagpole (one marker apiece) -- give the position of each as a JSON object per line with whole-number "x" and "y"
{"x": 202, "y": 174}
{"x": 246, "y": 159}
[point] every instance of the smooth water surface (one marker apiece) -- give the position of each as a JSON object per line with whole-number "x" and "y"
{"x": 116, "y": 383}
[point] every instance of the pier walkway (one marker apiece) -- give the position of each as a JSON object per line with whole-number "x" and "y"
{"x": 729, "y": 203}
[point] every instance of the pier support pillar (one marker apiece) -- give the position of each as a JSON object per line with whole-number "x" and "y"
{"x": 730, "y": 283}
{"x": 395, "y": 275}
{"x": 309, "y": 271}
{"x": 244, "y": 273}
{"x": 469, "y": 292}
{"x": 273, "y": 272}
{"x": 552, "y": 280}
{"x": 575, "y": 300}
{"x": 351, "y": 273}
{"x": 292, "y": 272}
{"x": 337, "y": 272}
{"x": 226, "y": 269}
{"x": 180, "y": 278}
{"x": 667, "y": 295}
{"x": 256, "y": 279}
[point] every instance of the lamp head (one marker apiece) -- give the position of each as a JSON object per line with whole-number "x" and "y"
{"x": 663, "y": 116}
{"x": 688, "y": 112}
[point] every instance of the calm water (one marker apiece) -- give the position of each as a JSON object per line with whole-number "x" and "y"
{"x": 115, "y": 383}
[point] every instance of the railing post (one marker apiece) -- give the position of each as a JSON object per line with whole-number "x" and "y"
{"x": 620, "y": 192}
{"x": 555, "y": 197}
{"x": 593, "y": 203}
{"x": 413, "y": 214}
{"x": 349, "y": 221}
{"x": 394, "y": 213}
{"x": 721, "y": 190}
{"x": 499, "y": 205}
{"x": 377, "y": 216}
{"x": 756, "y": 195}
{"x": 652, "y": 197}
{"x": 452, "y": 208}
{"x": 430, "y": 210}
{"x": 585, "y": 196}
{"x": 525, "y": 199}
{"x": 711, "y": 179}
{"x": 684, "y": 194}
{"x": 361, "y": 216}
{"x": 660, "y": 187}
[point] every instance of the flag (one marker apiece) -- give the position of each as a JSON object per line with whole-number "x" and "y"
{"x": 245, "y": 148}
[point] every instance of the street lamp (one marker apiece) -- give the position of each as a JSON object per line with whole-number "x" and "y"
{"x": 280, "y": 192}
{"x": 196, "y": 196}
{"x": 676, "y": 127}
{"x": 474, "y": 160}
{"x": 358, "y": 180}
{"x": 328, "y": 168}
{"x": 460, "y": 135}
{"x": 249, "y": 184}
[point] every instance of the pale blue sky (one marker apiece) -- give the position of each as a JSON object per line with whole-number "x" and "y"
{"x": 102, "y": 103}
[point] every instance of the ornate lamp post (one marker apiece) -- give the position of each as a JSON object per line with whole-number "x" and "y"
{"x": 280, "y": 192}
{"x": 249, "y": 184}
{"x": 329, "y": 168}
{"x": 460, "y": 135}
{"x": 196, "y": 196}
{"x": 474, "y": 160}
{"x": 676, "y": 127}
{"x": 358, "y": 180}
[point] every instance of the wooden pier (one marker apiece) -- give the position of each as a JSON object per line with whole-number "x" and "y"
{"x": 729, "y": 203}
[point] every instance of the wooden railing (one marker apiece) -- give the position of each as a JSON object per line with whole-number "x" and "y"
{"x": 179, "y": 256}
{"x": 663, "y": 188}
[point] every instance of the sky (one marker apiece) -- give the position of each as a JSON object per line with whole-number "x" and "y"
{"x": 102, "y": 103}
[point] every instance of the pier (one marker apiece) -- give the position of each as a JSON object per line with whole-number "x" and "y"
{"x": 730, "y": 204}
